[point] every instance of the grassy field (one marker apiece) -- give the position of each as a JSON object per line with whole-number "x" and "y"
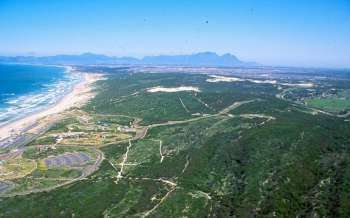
{"x": 331, "y": 104}
{"x": 16, "y": 168}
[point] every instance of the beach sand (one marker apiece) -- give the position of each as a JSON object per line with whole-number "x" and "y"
{"x": 80, "y": 94}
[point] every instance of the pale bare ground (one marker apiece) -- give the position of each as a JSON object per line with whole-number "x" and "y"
{"x": 160, "y": 151}
{"x": 216, "y": 78}
{"x": 173, "y": 89}
{"x": 120, "y": 173}
{"x": 80, "y": 94}
{"x": 303, "y": 85}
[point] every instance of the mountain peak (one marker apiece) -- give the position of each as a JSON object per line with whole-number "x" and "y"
{"x": 208, "y": 53}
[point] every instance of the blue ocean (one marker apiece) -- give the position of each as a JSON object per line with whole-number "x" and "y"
{"x": 25, "y": 89}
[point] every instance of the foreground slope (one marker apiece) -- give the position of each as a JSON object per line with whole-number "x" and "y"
{"x": 231, "y": 149}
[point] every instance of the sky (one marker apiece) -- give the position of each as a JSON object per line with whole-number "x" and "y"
{"x": 273, "y": 32}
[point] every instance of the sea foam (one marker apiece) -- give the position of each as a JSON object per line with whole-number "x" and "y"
{"x": 16, "y": 107}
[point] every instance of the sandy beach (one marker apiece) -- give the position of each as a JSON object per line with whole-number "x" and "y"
{"x": 80, "y": 94}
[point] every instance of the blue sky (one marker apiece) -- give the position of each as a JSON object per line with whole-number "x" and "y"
{"x": 298, "y": 32}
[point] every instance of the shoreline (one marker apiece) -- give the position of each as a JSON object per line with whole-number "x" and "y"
{"x": 67, "y": 70}
{"x": 79, "y": 94}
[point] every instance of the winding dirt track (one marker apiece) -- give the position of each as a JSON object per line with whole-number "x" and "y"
{"x": 141, "y": 132}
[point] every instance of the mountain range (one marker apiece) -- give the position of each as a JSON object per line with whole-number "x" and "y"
{"x": 197, "y": 59}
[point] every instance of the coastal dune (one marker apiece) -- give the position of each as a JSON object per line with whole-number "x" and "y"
{"x": 79, "y": 95}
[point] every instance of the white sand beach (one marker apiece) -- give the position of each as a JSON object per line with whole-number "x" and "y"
{"x": 80, "y": 94}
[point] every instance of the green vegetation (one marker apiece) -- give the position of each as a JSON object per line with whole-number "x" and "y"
{"x": 125, "y": 94}
{"x": 329, "y": 104}
{"x": 57, "y": 173}
{"x": 333, "y": 97}
{"x": 16, "y": 168}
{"x": 265, "y": 157}
{"x": 45, "y": 140}
{"x": 334, "y": 103}
{"x": 34, "y": 153}
{"x": 30, "y": 173}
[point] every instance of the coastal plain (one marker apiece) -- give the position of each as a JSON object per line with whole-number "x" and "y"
{"x": 186, "y": 142}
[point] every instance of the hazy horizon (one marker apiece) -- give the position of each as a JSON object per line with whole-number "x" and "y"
{"x": 298, "y": 33}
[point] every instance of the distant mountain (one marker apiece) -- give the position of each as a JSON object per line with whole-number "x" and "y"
{"x": 85, "y": 58}
{"x": 198, "y": 59}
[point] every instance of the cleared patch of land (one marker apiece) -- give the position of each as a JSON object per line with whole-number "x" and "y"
{"x": 174, "y": 89}
{"x": 215, "y": 78}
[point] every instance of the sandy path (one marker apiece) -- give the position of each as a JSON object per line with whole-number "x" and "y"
{"x": 160, "y": 151}
{"x": 120, "y": 173}
{"x": 183, "y": 105}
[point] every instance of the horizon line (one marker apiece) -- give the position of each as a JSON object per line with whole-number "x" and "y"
{"x": 140, "y": 57}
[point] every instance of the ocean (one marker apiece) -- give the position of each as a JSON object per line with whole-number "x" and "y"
{"x": 26, "y": 89}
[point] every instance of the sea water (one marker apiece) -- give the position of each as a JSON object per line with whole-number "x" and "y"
{"x": 26, "y": 89}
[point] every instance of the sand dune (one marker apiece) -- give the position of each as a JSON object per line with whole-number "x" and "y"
{"x": 173, "y": 89}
